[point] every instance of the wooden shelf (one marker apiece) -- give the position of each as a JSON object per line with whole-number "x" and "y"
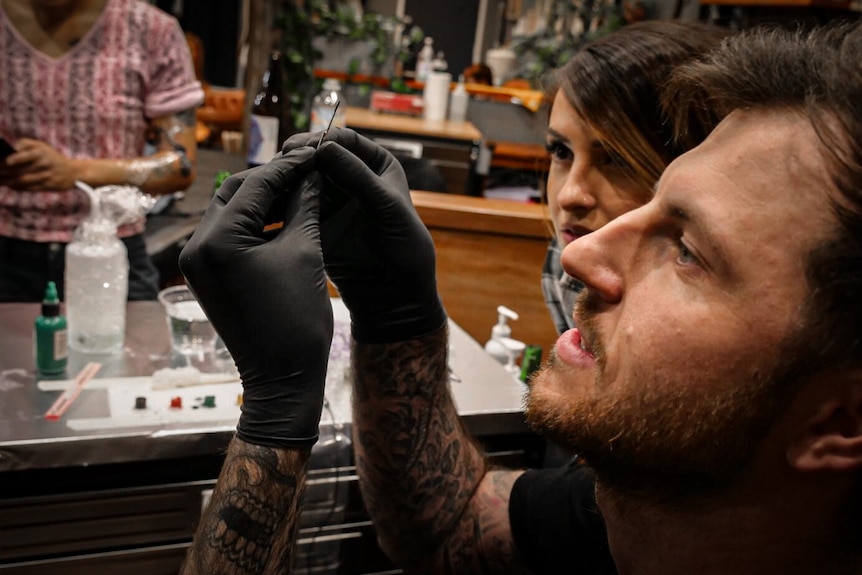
{"x": 360, "y": 118}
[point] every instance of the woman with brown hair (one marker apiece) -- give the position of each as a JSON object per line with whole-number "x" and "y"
{"x": 608, "y": 136}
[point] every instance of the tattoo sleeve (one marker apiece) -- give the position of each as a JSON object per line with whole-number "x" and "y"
{"x": 250, "y": 523}
{"x": 171, "y": 168}
{"x": 424, "y": 480}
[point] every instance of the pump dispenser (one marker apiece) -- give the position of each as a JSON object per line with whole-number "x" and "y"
{"x": 501, "y": 346}
{"x": 51, "y": 350}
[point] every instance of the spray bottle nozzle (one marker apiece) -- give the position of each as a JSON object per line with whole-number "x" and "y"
{"x": 95, "y": 202}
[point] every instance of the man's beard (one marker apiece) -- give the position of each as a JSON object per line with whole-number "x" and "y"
{"x": 665, "y": 439}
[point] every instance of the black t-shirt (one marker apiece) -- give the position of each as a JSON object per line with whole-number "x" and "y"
{"x": 556, "y": 524}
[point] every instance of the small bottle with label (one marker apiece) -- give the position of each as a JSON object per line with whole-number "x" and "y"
{"x": 51, "y": 335}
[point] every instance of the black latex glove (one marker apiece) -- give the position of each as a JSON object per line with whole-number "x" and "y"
{"x": 265, "y": 293}
{"x": 377, "y": 251}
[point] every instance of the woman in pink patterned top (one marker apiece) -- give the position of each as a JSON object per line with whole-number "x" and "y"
{"x": 84, "y": 83}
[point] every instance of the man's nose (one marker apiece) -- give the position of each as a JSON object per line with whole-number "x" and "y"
{"x": 599, "y": 259}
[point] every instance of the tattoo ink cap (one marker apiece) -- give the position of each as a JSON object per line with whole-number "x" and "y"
{"x": 51, "y": 335}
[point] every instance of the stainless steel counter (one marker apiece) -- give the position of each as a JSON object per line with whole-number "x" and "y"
{"x": 114, "y": 490}
{"x": 488, "y": 398}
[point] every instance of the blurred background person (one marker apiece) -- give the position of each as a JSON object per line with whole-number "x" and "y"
{"x": 86, "y": 84}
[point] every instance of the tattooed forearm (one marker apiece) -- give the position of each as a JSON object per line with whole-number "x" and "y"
{"x": 250, "y": 523}
{"x": 420, "y": 469}
{"x": 171, "y": 167}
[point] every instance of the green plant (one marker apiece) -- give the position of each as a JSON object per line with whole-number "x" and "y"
{"x": 293, "y": 24}
{"x": 298, "y": 22}
{"x": 569, "y": 24}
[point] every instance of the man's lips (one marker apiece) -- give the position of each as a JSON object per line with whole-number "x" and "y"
{"x": 571, "y": 348}
{"x": 572, "y": 232}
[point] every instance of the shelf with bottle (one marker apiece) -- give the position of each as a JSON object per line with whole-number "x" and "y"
{"x": 528, "y": 98}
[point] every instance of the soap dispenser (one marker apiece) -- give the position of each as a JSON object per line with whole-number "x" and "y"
{"x": 495, "y": 346}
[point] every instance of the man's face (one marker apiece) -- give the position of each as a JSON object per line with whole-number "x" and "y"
{"x": 693, "y": 303}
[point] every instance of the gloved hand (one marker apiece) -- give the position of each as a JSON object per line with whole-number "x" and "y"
{"x": 377, "y": 251}
{"x": 265, "y": 294}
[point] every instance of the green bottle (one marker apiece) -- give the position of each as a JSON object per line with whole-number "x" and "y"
{"x": 531, "y": 361}
{"x": 51, "y": 335}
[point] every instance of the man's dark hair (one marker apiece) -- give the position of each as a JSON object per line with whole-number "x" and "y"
{"x": 817, "y": 74}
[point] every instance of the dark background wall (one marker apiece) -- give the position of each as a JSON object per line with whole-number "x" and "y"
{"x": 452, "y": 24}
{"x": 217, "y": 23}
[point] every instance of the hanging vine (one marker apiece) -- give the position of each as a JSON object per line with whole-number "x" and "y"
{"x": 569, "y": 24}
{"x": 299, "y": 22}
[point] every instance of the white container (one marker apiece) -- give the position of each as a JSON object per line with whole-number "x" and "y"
{"x": 436, "y": 96}
{"x": 458, "y": 102}
{"x": 425, "y": 60}
{"x": 323, "y": 108}
{"x": 502, "y": 62}
{"x": 97, "y": 284}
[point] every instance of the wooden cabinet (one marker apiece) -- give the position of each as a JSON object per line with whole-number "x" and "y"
{"x": 428, "y": 151}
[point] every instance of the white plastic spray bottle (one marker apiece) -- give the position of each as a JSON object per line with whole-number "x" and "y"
{"x": 97, "y": 282}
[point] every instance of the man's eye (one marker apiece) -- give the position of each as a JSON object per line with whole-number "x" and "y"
{"x": 685, "y": 256}
{"x": 558, "y": 151}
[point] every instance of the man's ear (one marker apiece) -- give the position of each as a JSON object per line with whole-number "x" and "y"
{"x": 831, "y": 440}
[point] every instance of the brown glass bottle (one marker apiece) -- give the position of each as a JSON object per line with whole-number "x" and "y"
{"x": 267, "y": 127}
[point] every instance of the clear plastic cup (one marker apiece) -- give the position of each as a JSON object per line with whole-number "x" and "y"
{"x": 190, "y": 329}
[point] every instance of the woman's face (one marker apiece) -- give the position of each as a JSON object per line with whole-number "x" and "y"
{"x": 587, "y": 185}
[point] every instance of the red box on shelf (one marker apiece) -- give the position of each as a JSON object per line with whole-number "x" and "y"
{"x": 395, "y": 103}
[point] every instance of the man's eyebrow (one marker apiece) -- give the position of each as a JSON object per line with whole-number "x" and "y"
{"x": 701, "y": 229}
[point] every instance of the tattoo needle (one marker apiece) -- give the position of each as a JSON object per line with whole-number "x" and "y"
{"x": 328, "y": 126}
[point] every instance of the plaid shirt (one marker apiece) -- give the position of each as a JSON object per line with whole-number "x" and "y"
{"x": 92, "y": 102}
{"x": 559, "y": 288}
